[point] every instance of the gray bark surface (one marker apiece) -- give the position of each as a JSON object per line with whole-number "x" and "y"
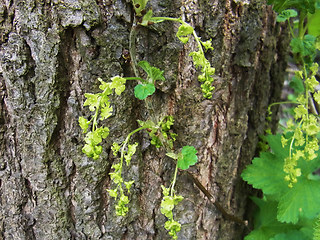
{"x": 53, "y": 51}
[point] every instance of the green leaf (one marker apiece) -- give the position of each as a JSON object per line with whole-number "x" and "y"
{"x": 165, "y": 191}
{"x": 167, "y": 204}
{"x": 292, "y": 235}
{"x": 305, "y": 47}
{"x": 207, "y": 44}
{"x": 153, "y": 73}
{"x": 93, "y": 138}
{"x": 286, "y": 15}
{"x": 118, "y": 83}
{"x": 103, "y": 132}
{"x": 105, "y": 87}
{"x": 139, "y": 6}
{"x": 315, "y": 176}
{"x": 142, "y": 91}
{"x": 302, "y": 200}
{"x": 128, "y": 185}
{"x": 157, "y": 74}
{"x": 266, "y": 172}
{"x": 113, "y": 193}
{"x": 148, "y": 19}
{"x": 172, "y": 226}
{"x": 105, "y": 112}
{"x": 84, "y": 124}
{"x": 304, "y": 5}
{"x": 188, "y": 158}
{"x": 92, "y": 101}
{"x": 198, "y": 59}
{"x": 145, "y": 66}
{"x": 266, "y": 224}
{"x": 297, "y": 85}
{"x": 316, "y": 234}
{"x": 184, "y": 31}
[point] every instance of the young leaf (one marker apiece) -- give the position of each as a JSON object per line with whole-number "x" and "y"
{"x": 128, "y": 185}
{"x": 93, "y": 138}
{"x": 188, "y": 158}
{"x": 148, "y": 19}
{"x": 142, "y": 91}
{"x": 84, "y": 124}
{"x": 105, "y": 87}
{"x": 145, "y": 66}
{"x": 103, "y": 132}
{"x": 115, "y": 148}
{"x": 105, "y": 112}
{"x": 157, "y": 74}
{"x": 207, "y": 44}
{"x": 184, "y": 31}
{"x": 153, "y": 73}
{"x": 139, "y": 6}
{"x": 118, "y": 83}
{"x": 92, "y": 101}
{"x": 113, "y": 193}
{"x": 286, "y": 15}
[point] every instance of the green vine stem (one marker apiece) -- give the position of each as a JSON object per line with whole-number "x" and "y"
{"x": 126, "y": 142}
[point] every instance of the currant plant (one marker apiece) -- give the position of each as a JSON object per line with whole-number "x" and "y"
{"x": 288, "y": 173}
{"x": 160, "y": 132}
{"x": 184, "y": 33}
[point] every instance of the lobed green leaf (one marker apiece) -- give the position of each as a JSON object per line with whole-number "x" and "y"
{"x": 286, "y": 15}
{"x": 142, "y": 91}
{"x": 188, "y": 158}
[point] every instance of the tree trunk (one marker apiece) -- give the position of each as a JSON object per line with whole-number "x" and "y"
{"x": 53, "y": 51}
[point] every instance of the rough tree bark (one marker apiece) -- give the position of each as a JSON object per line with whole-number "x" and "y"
{"x": 53, "y": 51}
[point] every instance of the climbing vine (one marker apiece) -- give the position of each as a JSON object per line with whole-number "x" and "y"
{"x": 288, "y": 174}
